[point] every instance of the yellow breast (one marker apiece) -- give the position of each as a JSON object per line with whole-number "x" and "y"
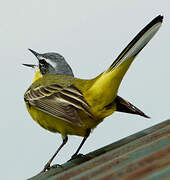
{"x": 54, "y": 124}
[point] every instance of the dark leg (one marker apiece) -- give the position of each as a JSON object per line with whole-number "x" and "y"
{"x": 83, "y": 141}
{"x": 47, "y": 166}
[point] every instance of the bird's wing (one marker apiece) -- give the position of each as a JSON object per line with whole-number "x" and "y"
{"x": 125, "y": 106}
{"x": 60, "y": 102}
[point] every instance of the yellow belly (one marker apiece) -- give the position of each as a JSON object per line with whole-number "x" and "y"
{"x": 54, "y": 124}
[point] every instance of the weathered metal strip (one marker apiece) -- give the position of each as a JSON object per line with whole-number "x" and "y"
{"x": 101, "y": 160}
{"x": 122, "y": 165}
{"x": 115, "y": 159}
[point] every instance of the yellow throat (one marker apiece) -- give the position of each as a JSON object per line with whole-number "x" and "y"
{"x": 37, "y": 75}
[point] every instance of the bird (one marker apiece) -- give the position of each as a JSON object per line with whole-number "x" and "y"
{"x": 62, "y": 103}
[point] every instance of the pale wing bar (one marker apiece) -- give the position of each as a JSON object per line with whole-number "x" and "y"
{"x": 57, "y": 109}
{"x": 59, "y": 102}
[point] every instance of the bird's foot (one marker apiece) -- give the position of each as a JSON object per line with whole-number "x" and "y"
{"x": 48, "y": 167}
{"x": 76, "y": 156}
{"x": 56, "y": 166}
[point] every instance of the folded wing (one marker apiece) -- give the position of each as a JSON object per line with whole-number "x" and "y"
{"x": 60, "y": 102}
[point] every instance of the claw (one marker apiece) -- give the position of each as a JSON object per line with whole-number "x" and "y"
{"x": 56, "y": 166}
{"x": 47, "y": 167}
{"x": 76, "y": 156}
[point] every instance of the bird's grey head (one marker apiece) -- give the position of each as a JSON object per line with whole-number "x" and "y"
{"x": 53, "y": 63}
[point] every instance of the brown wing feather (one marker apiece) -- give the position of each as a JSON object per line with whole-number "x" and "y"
{"x": 58, "y": 109}
{"x": 59, "y": 102}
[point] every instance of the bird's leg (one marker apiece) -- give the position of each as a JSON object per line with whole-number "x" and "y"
{"x": 81, "y": 144}
{"x": 47, "y": 166}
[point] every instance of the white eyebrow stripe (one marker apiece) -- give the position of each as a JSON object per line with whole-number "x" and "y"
{"x": 53, "y": 64}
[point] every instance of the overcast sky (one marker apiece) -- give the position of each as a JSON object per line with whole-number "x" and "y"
{"x": 90, "y": 35}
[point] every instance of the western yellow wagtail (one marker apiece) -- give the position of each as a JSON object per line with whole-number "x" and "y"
{"x": 61, "y": 103}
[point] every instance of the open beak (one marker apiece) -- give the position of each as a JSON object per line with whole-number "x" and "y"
{"x": 31, "y": 65}
{"x": 35, "y": 53}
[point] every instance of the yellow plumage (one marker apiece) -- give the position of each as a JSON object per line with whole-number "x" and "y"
{"x": 73, "y": 106}
{"x": 93, "y": 92}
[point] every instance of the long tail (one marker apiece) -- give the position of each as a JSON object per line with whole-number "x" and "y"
{"x": 107, "y": 84}
{"x": 138, "y": 43}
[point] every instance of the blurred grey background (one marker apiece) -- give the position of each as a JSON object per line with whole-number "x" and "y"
{"x": 90, "y": 35}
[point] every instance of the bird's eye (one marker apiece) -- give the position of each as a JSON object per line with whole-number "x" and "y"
{"x": 42, "y": 61}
